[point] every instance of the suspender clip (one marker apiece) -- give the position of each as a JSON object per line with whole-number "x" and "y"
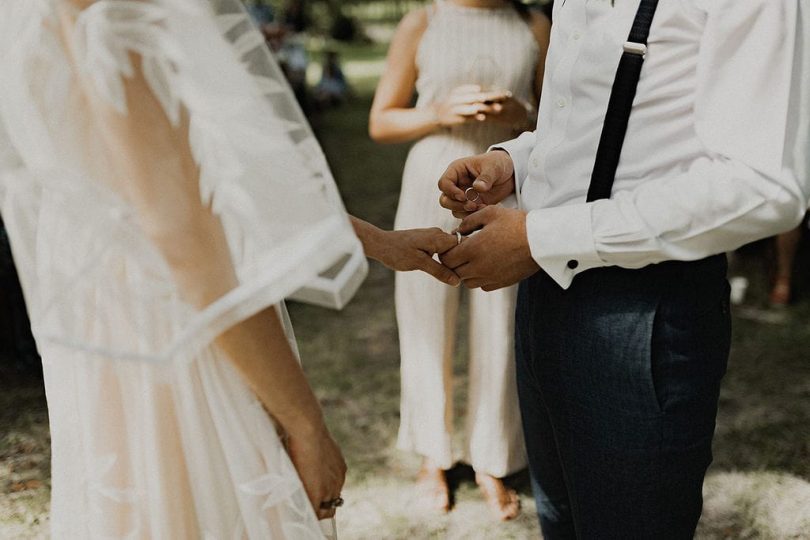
{"x": 639, "y": 49}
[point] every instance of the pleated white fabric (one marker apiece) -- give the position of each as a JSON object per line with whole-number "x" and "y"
{"x": 495, "y": 49}
{"x": 154, "y": 434}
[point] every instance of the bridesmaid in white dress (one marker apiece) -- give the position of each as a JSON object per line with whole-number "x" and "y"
{"x": 477, "y": 67}
{"x": 163, "y": 195}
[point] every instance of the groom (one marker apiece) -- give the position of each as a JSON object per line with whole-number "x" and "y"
{"x": 623, "y": 325}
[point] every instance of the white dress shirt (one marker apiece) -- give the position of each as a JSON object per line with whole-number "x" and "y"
{"x": 716, "y": 151}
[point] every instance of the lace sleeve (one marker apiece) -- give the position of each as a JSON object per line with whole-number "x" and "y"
{"x": 206, "y": 181}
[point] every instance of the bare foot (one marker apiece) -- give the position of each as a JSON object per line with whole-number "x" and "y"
{"x": 503, "y": 502}
{"x": 433, "y": 489}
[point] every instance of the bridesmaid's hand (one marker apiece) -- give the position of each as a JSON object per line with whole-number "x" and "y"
{"x": 413, "y": 249}
{"x": 468, "y": 104}
{"x": 321, "y": 467}
{"x": 514, "y": 113}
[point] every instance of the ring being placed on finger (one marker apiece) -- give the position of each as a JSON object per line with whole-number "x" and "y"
{"x": 459, "y": 236}
{"x": 467, "y": 194}
{"x": 332, "y": 503}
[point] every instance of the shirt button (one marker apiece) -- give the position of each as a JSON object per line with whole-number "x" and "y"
{"x": 561, "y": 103}
{"x": 576, "y": 36}
{"x": 535, "y": 163}
{"x": 573, "y": 264}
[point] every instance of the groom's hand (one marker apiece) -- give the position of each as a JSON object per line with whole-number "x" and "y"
{"x": 497, "y": 255}
{"x": 491, "y": 175}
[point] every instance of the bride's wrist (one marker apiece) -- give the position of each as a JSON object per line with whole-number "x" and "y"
{"x": 372, "y": 238}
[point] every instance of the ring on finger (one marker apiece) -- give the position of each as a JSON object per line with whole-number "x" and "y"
{"x": 467, "y": 194}
{"x": 331, "y": 504}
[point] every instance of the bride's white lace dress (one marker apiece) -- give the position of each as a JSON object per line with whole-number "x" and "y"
{"x": 154, "y": 434}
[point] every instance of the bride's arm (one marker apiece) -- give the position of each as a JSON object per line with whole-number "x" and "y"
{"x": 157, "y": 173}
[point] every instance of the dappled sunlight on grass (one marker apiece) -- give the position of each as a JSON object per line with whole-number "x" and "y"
{"x": 755, "y": 505}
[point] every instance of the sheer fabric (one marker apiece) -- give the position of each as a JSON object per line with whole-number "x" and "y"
{"x": 154, "y": 434}
{"x": 261, "y": 170}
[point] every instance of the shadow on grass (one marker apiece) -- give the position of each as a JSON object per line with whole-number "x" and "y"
{"x": 464, "y": 475}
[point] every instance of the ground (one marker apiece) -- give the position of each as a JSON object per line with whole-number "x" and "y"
{"x": 757, "y": 487}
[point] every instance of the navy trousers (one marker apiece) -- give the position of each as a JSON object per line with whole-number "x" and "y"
{"x": 619, "y": 378}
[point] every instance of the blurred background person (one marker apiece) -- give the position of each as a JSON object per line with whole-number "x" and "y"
{"x": 477, "y": 67}
{"x": 285, "y": 34}
{"x": 293, "y": 54}
{"x": 333, "y": 88}
{"x": 296, "y": 16}
{"x": 262, "y": 13}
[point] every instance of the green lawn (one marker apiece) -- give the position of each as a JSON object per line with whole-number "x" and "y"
{"x": 758, "y": 486}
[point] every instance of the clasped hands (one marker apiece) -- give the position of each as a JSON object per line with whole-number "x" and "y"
{"x": 496, "y": 256}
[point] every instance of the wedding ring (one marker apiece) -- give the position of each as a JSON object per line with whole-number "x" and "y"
{"x": 458, "y": 237}
{"x": 467, "y": 194}
{"x": 331, "y": 504}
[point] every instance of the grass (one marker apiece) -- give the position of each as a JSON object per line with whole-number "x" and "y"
{"x": 758, "y": 486}
{"x": 24, "y": 458}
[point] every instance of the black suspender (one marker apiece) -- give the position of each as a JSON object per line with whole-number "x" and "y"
{"x": 620, "y": 104}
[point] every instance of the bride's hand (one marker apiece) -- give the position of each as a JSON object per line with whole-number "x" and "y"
{"x": 321, "y": 467}
{"x": 414, "y": 249}
{"x": 408, "y": 250}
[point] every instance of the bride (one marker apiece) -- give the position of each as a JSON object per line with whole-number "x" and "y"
{"x": 164, "y": 195}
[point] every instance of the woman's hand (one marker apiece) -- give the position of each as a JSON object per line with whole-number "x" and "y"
{"x": 414, "y": 249}
{"x": 404, "y": 251}
{"x": 469, "y": 104}
{"x": 514, "y": 113}
{"x": 320, "y": 465}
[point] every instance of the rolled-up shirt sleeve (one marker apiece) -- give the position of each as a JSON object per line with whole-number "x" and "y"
{"x": 751, "y": 182}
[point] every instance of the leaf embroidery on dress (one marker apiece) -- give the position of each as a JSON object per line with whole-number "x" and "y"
{"x": 102, "y": 493}
{"x": 276, "y": 488}
{"x": 105, "y": 35}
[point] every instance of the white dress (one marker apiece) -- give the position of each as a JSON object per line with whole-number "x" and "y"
{"x": 495, "y": 49}
{"x": 154, "y": 434}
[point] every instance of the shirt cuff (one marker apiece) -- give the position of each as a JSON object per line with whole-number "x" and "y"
{"x": 561, "y": 241}
{"x": 519, "y": 150}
